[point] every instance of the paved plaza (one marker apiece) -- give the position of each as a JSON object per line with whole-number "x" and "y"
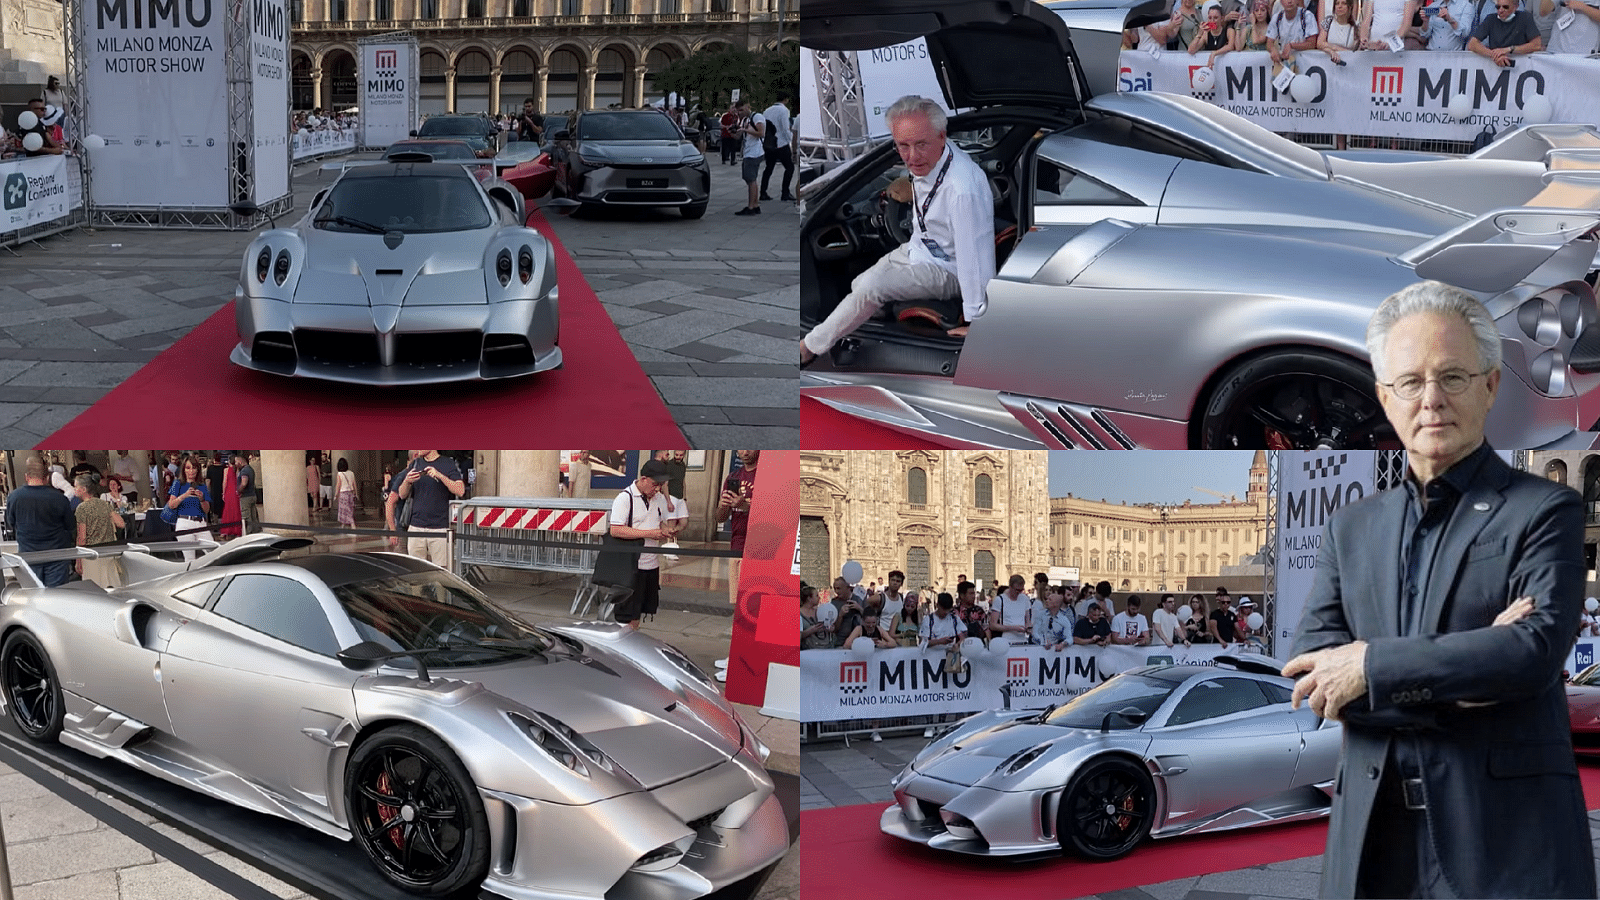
{"x": 710, "y": 308}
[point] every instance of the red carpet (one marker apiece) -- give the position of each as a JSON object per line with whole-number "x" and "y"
{"x": 192, "y": 391}
{"x": 855, "y": 860}
{"x": 823, "y": 428}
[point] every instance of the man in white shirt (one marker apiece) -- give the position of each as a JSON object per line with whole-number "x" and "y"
{"x": 1577, "y": 26}
{"x": 951, "y": 251}
{"x": 944, "y": 625}
{"x": 641, "y": 512}
{"x": 751, "y": 127}
{"x": 1011, "y": 614}
{"x": 1293, "y": 29}
{"x": 1053, "y": 629}
{"x": 1130, "y": 626}
{"x": 1164, "y": 622}
{"x": 779, "y": 152}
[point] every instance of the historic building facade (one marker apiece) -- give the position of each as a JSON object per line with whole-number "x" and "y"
{"x": 933, "y": 515}
{"x": 1152, "y": 547}
{"x": 490, "y": 55}
{"x": 1581, "y": 472}
{"x": 31, "y": 47}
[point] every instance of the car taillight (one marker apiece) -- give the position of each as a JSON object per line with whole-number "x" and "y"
{"x": 280, "y": 271}
{"x": 525, "y": 263}
{"x": 502, "y": 267}
{"x": 263, "y": 263}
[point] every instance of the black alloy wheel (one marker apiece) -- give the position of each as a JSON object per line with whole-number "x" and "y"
{"x": 33, "y": 693}
{"x": 1106, "y": 810}
{"x": 1296, "y": 400}
{"x": 415, "y": 811}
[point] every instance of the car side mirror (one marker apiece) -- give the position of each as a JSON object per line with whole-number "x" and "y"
{"x": 1131, "y": 714}
{"x": 413, "y": 133}
{"x": 245, "y": 208}
{"x": 364, "y": 655}
{"x": 317, "y": 200}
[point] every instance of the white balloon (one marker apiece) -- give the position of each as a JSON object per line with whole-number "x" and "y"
{"x": 1184, "y": 612}
{"x": 1537, "y": 110}
{"x": 27, "y": 119}
{"x": 972, "y": 646}
{"x": 32, "y": 141}
{"x": 94, "y": 142}
{"x": 862, "y": 646}
{"x": 1255, "y": 621}
{"x": 851, "y": 572}
{"x": 1459, "y": 107}
{"x": 1203, "y": 78}
{"x": 1591, "y": 604}
{"x": 1302, "y": 89}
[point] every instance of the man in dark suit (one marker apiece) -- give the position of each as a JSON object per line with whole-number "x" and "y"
{"x": 1457, "y": 776}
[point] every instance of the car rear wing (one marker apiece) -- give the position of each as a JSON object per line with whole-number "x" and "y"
{"x": 1505, "y": 247}
{"x": 21, "y": 565}
{"x": 1533, "y": 143}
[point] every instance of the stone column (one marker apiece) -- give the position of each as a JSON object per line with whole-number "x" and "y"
{"x": 141, "y": 473}
{"x": 316, "y": 86}
{"x": 450, "y": 89}
{"x": 488, "y": 466}
{"x": 638, "y": 89}
{"x": 529, "y": 473}
{"x": 586, "y": 86}
{"x": 283, "y": 481}
{"x": 494, "y": 89}
{"x": 541, "y": 74}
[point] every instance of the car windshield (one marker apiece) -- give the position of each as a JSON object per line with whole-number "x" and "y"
{"x": 1590, "y": 675}
{"x": 414, "y": 204}
{"x": 453, "y": 125}
{"x": 627, "y": 127}
{"x": 429, "y": 610}
{"x": 435, "y": 149}
{"x": 1087, "y": 710}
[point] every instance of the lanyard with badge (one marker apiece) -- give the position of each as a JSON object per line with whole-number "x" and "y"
{"x": 922, "y": 210}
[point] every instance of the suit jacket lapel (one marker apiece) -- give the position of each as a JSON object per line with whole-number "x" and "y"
{"x": 1383, "y": 617}
{"x": 1472, "y": 513}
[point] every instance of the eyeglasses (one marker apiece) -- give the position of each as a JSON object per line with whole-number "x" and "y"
{"x": 1454, "y": 381}
{"x": 1501, "y": 6}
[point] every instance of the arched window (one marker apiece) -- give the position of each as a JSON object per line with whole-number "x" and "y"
{"x": 1556, "y": 470}
{"x": 917, "y": 487}
{"x": 983, "y": 568}
{"x": 983, "y": 492}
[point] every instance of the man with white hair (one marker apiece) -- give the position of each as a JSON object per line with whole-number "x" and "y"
{"x": 1456, "y": 735}
{"x": 951, "y": 250}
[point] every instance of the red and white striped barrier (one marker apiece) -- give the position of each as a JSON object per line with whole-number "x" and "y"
{"x": 575, "y": 521}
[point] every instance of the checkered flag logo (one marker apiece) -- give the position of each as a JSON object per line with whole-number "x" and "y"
{"x": 853, "y": 677}
{"x": 1324, "y": 467}
{"x": 1017, "y": 670}
{"x": 1207, "y": 96}
{"x": 1388, "y": 85}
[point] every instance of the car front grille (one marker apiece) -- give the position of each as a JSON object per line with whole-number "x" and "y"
{"x": 438, "y": 348}
{"x": 342, "y": 347}
{"x": 643, "y": 196}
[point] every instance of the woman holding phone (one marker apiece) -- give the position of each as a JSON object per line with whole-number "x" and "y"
{"x": 192, "y": 502}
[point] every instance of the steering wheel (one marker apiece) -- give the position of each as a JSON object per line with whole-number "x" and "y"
{"x": 896, "y": 218}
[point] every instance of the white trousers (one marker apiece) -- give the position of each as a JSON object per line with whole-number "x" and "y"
{"x": 894, "y": 277}
{"x": 189, "y": 555}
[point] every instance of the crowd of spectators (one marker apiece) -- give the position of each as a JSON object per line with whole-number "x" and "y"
{"x": 1053, "y": 616}
{"x": 319, "y": 119}
{"x": 1497, "y": 29}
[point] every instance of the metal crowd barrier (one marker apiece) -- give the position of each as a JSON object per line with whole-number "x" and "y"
{"x": 538, "y": 518}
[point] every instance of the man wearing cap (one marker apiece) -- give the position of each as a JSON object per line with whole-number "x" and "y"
{"x": 1241, "y": 624}
{"x": 641, "y": 511}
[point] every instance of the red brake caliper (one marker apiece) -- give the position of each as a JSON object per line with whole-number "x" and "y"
{"x": 386, "y": 813}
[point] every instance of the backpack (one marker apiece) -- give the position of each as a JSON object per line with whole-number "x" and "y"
{"x": 1484, "y": 138}
{"x": 769, "y": 136}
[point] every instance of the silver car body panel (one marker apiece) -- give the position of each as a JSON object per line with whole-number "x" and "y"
{"x": 1291, "y": 756}
{"x": 429, "y": 309}
{"x": 185, "y": 694}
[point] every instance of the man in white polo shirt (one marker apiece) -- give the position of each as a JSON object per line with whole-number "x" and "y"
{"x": 1011, "y": 614}
{"x": 641, "y": 511}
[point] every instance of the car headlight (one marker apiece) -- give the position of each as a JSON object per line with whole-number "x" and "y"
{"x": 280, "y": 270}
{"x": 502, "y": 267}
{"x": 263, "y": 264}
{"x": 525, "y": 263}
{"x": 695, "y": 162}
{"x": 563, "y": 744}
{"x": 1018, "y": 761}
{"x": 596, "y": 161}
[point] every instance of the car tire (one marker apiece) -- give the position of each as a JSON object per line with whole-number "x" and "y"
{"x": 33, "y": 692}
{"x": 447, "y": 835}
{"x": 1086, "y": 828}
{"x": 1295, "y": 399}
{"x": 693, "y": 210}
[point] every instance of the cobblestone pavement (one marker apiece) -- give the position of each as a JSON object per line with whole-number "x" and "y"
{"x": 832, "y": 774}
{"x": 712, "y": 323}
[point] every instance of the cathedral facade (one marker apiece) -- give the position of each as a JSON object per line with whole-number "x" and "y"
{"x": 934, "y": 515}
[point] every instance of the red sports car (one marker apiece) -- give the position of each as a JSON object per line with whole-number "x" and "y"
{"x": 526, "y": 166}
{"x": 1583, "y": 707}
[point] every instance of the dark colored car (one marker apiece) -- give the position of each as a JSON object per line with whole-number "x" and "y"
{"x": 630, "y": 157}
{"x": 480, "y": 133}
{"x": 437, "y": 150}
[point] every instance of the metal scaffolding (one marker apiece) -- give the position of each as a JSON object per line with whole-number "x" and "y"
{"x": 842, "y": 108}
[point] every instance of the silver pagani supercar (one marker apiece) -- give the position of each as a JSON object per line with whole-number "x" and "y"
{"x": 1171, "y": 275}
{"x": 402, "y": 273}
{"x": 380, "y": 699}
{"x": 1155, "y": 751}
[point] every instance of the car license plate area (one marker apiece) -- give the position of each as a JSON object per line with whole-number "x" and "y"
{"x": 647, "y": 182}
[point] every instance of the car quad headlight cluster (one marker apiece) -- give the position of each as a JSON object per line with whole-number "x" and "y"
{"x": 265, "y": 265}
{"x": 563, "y": 744}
